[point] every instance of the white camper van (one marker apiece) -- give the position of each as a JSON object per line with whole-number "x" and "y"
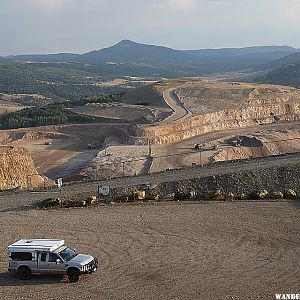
{"x": 42, "y": 256}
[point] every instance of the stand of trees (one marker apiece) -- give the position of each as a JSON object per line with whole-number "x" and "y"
{"x": 53, "y": 114}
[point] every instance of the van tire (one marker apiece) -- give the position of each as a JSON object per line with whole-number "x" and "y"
{"x": 24, "y": 273}
{"x": 73, "y": 275}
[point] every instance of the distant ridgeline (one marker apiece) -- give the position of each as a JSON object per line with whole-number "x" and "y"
{"x": 283, "y": 71}
{"x": 52, "y": 114}
{"x": 53, "y": 80}
{"x": 67, "y": 75}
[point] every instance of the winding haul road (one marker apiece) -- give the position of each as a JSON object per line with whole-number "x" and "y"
{"x": 180, "y": 112}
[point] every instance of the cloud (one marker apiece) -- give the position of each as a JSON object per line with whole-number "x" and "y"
{"x": 180, "y": 4}
{"x": 48, "y": 4}
{"x": 292, "y": 12}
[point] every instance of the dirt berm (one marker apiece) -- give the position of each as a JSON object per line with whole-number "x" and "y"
{"x": 228, "y": 178}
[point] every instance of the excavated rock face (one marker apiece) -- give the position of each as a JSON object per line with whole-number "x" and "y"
{"x": 220, "y": 120}
{"x": 17, "y": 169}
{"x": 224, "y": 106}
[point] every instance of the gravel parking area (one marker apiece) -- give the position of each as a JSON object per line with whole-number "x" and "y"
{"x": 164, "y": 251}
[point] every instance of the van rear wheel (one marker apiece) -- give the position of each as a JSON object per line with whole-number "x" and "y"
{"x": 23, "y": 273}
{"x": 73, "y": 275}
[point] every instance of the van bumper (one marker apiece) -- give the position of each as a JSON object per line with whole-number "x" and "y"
{"x": 91, "y": 268}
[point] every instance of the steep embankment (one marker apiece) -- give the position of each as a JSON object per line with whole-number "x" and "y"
{"x": 225, "y": 106}
{"x": 17, "y": 169}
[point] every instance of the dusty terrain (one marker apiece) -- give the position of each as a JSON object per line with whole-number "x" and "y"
{"x": 168, "y": 251}
{"x": 68, "y": 151}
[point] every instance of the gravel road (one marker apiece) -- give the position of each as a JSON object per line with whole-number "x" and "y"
{"x": 178, "y": 108}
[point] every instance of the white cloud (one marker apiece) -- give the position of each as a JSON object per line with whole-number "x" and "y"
{"x": 181, "y": 4}
{"x": 48, "y": 4}
{"x": 292, "y": 12}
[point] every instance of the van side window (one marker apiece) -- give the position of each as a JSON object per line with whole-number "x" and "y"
{"x": 21, "y": 256}
{"x": 43, "y": 256}
{"x": 53, "y": 257}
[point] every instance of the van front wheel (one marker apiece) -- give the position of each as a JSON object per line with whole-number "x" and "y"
{"x": 73, "y": 275}
{"x": 24, "y": 273}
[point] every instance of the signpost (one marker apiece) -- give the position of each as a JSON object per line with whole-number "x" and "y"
{"x": 59, "y": 184}
{"x": 103, "y": 190}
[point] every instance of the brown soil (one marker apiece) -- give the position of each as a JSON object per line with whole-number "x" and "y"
{"x": 169, "y": 251}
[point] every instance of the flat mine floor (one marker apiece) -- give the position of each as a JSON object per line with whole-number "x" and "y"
{"x": 208, "y": 250}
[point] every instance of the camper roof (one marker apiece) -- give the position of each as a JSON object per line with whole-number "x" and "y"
{"x": 36, "y": 245}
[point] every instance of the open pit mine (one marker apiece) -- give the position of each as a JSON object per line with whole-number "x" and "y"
{"x": 213, "y": 106}
{"x": 184, "y": 112}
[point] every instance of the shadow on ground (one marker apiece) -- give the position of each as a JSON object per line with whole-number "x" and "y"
{"x": 9, "y": 279}
{"x": 19, "y": 208}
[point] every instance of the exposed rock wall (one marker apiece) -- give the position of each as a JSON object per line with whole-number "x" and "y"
{"x": 221, "y": 120}
{"x": 17, "y": 169}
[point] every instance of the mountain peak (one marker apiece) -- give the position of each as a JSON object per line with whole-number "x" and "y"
{"x": 126, "y": 43}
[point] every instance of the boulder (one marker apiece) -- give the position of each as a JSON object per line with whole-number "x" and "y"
{"x": 291, "y": 194}
{"x": 217, "y": 196}
{"x": 229, "y": 197}
{"x": 92, "y": 200}
{"x": 51, "y": 202}
{"x": 277, "y": 195}
{"x": 262, "y": 194}
{"x": 167, "y": 197}
{"x": 242, "y": 197}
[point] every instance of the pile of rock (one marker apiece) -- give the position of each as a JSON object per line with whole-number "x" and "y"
{"x": 67, "y": 202}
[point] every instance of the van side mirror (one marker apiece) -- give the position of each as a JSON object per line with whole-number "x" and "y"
{"x": 59, "y": 261}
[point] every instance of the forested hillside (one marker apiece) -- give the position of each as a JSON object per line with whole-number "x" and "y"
{"x": 52, "y": 114}
{"x": 57, "y": 81}
{"x": 285, "y": 75}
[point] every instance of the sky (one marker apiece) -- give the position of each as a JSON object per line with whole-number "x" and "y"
{"x": 77, "y": 26}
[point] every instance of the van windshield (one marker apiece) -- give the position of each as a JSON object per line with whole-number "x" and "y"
{"x": 67, "y": 254}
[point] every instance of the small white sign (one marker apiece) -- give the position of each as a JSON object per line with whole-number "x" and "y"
{"x": 59, "y": 182}
{"x": 104, "y": 190}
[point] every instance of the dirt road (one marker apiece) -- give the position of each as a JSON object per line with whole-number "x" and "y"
{"x": 178, "y": 108}
{"x": 171, "y": 251}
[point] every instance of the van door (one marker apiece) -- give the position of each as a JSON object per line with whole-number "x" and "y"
{"x": 42, "y": 262}
{"x": 53, "y": 265}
